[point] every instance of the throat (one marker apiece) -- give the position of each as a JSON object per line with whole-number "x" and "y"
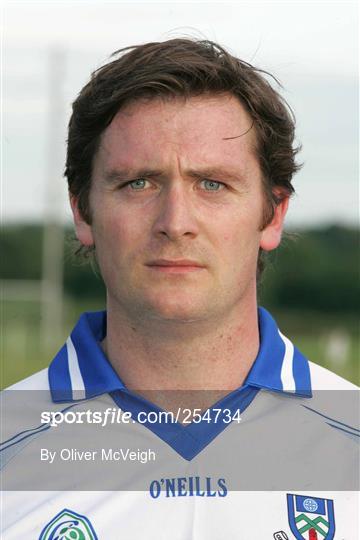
{"x": 201, "y": 368}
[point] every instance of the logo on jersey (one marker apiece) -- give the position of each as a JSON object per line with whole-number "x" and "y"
{"x": 68, "y": 525}
{"x": 190, "y": 486}
{"x": 311, "y": 518}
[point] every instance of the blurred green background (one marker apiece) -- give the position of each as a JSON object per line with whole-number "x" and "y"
{"x": 310, "y": 285}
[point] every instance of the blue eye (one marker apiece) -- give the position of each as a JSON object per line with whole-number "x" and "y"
{"x": 138, "y": 184}
{"x": 212, "y": 185}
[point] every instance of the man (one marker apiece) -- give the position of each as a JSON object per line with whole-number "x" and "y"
{"x": 180, "y": 161}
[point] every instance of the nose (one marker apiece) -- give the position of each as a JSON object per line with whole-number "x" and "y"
{"x": 177, "y": 214}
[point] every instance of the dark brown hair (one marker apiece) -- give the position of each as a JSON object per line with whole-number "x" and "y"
{"x": 181, "y": 68}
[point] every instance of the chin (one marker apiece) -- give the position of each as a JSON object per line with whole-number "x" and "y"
{"x": 177, "y": 311}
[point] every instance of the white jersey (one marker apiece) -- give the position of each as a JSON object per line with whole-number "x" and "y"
{"x": 85, "y": 458}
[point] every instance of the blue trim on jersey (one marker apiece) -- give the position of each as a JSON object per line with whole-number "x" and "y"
{"x": 35, "y": 431}
{"x": 86, "y": 336}
{"x": 63, "y": 383}
{"x": 301, "y": 372}
{"x": 188, "y": 440}
{"x": 99, "y": 378}
{"x": 331, "y": 419}
{"x": 98, "y": 374}
{"x": 44, "y": 428}
{"x": 356, "y": 436}
{"x": 266, "y": 370}
{"x": 345, "y": 430}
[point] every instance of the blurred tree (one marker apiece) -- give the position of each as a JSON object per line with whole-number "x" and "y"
{"x": 21, "y": 248}
{"x": 313, "y": 270}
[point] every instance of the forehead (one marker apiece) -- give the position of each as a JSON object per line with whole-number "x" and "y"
{"x": 201, "y": 130}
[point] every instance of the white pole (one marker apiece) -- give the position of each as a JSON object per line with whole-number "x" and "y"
{"x": 53, "y": 235}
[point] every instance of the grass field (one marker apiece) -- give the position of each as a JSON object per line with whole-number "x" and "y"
{"x": 331, "y": 341}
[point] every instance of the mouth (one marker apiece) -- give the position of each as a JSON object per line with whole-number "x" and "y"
{"x": 177, "y": 266}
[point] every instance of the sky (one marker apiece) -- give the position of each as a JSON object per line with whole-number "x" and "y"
{"x": 311, "y": 47}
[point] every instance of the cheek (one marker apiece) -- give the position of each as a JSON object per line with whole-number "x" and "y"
{"x": 241, "y": 230}
{"x": 118, "y": 235}
{"x": 239, "y": 247}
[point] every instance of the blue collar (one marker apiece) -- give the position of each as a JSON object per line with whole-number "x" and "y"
{"x": 81, "y": 370}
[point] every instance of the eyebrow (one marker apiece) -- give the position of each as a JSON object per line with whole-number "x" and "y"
{"x": 219, "y": 173}
{"x": 116, "y": 175}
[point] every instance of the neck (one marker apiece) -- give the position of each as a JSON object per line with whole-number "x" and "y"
{"x": 163, "y": 355}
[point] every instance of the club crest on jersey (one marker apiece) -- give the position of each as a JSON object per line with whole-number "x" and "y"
{"x": 68, "y": 525}
{"x": 311, "y": 518}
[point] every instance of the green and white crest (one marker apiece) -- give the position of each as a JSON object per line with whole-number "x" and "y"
{"x": 68, "y": 525}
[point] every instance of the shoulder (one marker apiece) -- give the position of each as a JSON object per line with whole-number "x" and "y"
{"x": 324, "y": 379}
{"x": 335, "y": 401}
{"x": 37, "y": 381}
{"x": 22, "y": 405}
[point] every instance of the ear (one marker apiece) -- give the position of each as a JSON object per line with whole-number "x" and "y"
{"x": 82, "y": 228}
{"x": 271, "y": 234}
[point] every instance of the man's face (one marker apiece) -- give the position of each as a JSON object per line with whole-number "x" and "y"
{"x": 177, "y": 206}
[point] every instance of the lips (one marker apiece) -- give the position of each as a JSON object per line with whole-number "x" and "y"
{"x": 175, "y": 266}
